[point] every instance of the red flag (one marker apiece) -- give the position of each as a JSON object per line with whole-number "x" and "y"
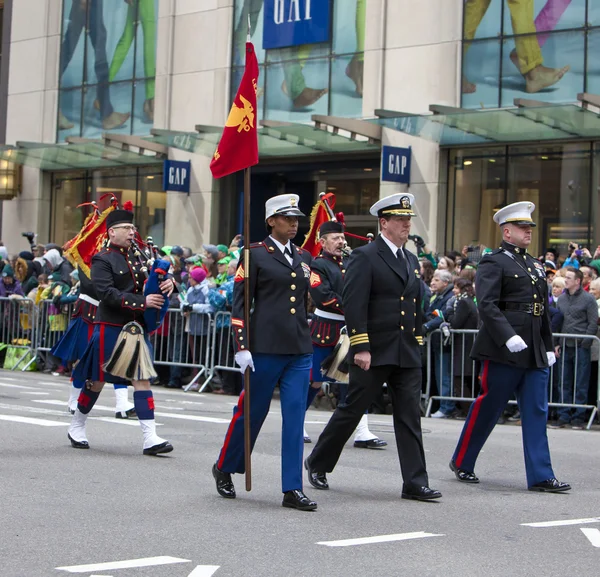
{"x": 318, "y": 216}
{"x": 238, "y": 147}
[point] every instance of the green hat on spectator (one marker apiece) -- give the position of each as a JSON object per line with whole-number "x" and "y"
{"x": 8, "y": 271}
{"x": 222, "y": 248}
{"x": 596, "y": 265}
{"x": 225, "y": 260}
{"x": 166, "y": 250}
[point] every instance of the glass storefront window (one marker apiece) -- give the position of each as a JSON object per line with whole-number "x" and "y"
{"x": 142, "y": 186}
{"x": 107, "y": 48}
{"x": 555, "y": 178}
{"x": 545, "y": 45}
{"x": 306, "y": 78}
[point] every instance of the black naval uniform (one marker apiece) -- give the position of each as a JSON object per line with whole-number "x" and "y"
{"x": 281, "y": 351}
{"x": 512, "y": 297}
{"x": 326, "y": 286}
{"x": 381, "y": 299}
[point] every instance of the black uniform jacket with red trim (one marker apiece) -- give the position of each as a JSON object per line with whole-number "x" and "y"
{"x": 326, "y": 285}
{"x": 119, "y": 281}
{"x": 83, "y": 308}
{"x": 279, "y": 294}
{"x": 382, "y": 303}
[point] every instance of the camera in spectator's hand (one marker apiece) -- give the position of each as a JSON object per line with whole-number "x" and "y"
{"x": 187, "y": 308}
{"x": 30, "y": 236}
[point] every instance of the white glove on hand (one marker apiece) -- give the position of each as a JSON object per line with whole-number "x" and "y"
{"x": 551, "y": 358}
{"x": 515, "y": 344}
{"x": 244, "y": 359}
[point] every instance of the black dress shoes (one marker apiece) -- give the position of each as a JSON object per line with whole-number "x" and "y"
{"x": 225, "y": 486}
{"x": 462, "y": 475}
{"x": 420, "y": 493}
{"x": 317, "y": 480}
{"x": 78, "y": 444}
{"x": 371, "y": 444}
{"x": 307, "y": 440}
{"x": 550, "y": 486}
{"x": 296, "y": 499}
{"x": 130, "y": 414}
{"x": 165, "y": 447}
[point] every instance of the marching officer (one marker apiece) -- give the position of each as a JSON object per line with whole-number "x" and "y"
{"x": 119, "y": 280}
{"x": 514, "y": 344}
{"x": 382, "y": 305}
{"x": 280, "y": 349}
{"x": 326, "y": 285}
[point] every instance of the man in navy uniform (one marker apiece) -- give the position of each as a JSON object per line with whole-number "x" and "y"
{"x": 382, "y": 305}
{"x": 514, "y": 344}
{"x": 326, "y": 285}
{"x": 119, "y": 280}
{"x": 280, "y": 350}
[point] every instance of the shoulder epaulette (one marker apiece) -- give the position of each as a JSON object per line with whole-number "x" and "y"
{"x": 258, "y": 245}
{"x": 299, "y": 249}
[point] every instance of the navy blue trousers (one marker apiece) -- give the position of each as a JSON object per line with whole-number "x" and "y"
{"x": 292, "y": 372}
{"x": 499, "y": 383}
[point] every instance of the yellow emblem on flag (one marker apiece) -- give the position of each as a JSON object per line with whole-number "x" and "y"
{"x": 243, "y": 118}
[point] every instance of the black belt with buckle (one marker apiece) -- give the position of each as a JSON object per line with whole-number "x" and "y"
{"x": 535, "y": 309}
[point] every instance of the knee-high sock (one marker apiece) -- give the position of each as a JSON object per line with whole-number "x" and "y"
{"x": 144, "y": 407}
{"x": 87, "y": 399}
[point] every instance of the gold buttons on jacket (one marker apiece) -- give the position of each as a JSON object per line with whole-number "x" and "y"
{"x": 534, "y": 296}
{"x": 293, "y": 275}
{"x": 293, "y": 287}
{"x": 293, "y": 299}
{"x": 402, "y": 313}
{"x": 239, "y": 330}
{"x": 401, "y": 298}
{"x": 293, "y": 311}
{"x": 401, "y": 328}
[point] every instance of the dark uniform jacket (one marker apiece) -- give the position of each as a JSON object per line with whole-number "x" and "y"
{"x": 279, "y": 294}
{"x": 119, "y": 281}
{"x": 83, "y": 308}
{"x": 382, "y": 303}
{"x": 509, "y": 281}
{"x": 326, "y": 285}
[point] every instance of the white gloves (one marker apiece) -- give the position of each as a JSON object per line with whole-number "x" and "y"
{"x": 515, "y": 344}
{"x": 551, "y": 358}
{"x": 244, "y": 359}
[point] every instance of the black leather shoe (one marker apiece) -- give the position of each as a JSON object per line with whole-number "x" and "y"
{"x": 550, "y": 486}
{"x": 296, "y": 499}
{"x": 130, "y": 414}
{"x": 78, "y": 444}
{"x": 165, "y": 447}
{"x": 371, "y": 444}
{"x": 307, "y": 440}
{"x": 317, "y": 480}
{"x": 462, "y": 475}
{"x": 420, "y": 493}
{"x": 225, "y": 486}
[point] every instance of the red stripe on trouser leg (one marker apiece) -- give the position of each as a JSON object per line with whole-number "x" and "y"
{"x": 90, "y": 329}
{"x": 101, "y": 372}
{"x": 238, "y": 413}
{"x": 467, "y": 436}
{"x": 83, "y": 399}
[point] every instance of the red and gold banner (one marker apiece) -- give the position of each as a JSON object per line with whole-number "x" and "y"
{"x": 318, "y": 216}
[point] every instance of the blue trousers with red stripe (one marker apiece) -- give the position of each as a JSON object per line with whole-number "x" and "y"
{"x": 499, "y": 383}
{"x": 292, "y": 372}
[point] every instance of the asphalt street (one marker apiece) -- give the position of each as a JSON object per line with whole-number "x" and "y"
{"x": 113, "y": 512}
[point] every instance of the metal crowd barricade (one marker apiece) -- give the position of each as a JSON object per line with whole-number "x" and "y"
{"x": 563, "y": 391}
{"x": 184, "y": 341}
{"x": 51, "y": 323}
{"x": 222, "y": 354}
{"x": 17, "y": 327}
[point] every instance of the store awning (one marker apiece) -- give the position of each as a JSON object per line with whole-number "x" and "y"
{"x": 283, "y": 139}
{"x": 530, "y": 121}
{"x": 112, "y": 150}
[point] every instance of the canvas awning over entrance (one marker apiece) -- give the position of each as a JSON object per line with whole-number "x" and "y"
{"x": 529, "y": 121}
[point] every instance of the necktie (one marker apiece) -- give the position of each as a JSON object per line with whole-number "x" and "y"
{"x": 287, "y": 252}
{"x": 400, "y": 254}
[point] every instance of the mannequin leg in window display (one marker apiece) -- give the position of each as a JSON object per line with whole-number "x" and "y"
{"x": 294, "y": 84}
{"x": 529, "y": 57}
{"x": 147, "y": 17}
{"x": 354, "y": 71}
{"x": 97, "y": 33}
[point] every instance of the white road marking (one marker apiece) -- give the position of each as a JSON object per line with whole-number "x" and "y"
{"x": 204, "y": 571}
{"x": 156, "y": 413}
{"x": 35, "y": 393}
{"x": 593, "y": 535}
{"x": 129, "y": 564}
{"x": 563, "y": 522}
{"x": 379, "y": 539}
{"x": 114, "y": 421}
{"x": 11, "y": 386}
{"x": 31, "y": 421}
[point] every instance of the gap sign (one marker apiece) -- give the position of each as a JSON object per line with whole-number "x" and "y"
{"x": 296, "y": 22}
{"x": 395, "y": 164}
{"x": 176, "y": 176}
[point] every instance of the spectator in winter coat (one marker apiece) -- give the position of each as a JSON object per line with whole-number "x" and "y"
{"x": 59, "y": 265}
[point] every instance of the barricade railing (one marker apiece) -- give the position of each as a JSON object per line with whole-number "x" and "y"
{"x": 568, "y": 382}
{"x": 17, "y": 330}
{"x": 184, "y": 340}
{"x": 222, "y": 353}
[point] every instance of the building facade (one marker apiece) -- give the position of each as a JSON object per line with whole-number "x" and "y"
{"x": 493, "y": 98}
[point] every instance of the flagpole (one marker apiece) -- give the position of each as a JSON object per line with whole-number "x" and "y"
{"x": 247, "y": 438}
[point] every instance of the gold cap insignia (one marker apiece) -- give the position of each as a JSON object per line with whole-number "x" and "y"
{"x": 405, "y": 202}
{"x": 292, "y": 201}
